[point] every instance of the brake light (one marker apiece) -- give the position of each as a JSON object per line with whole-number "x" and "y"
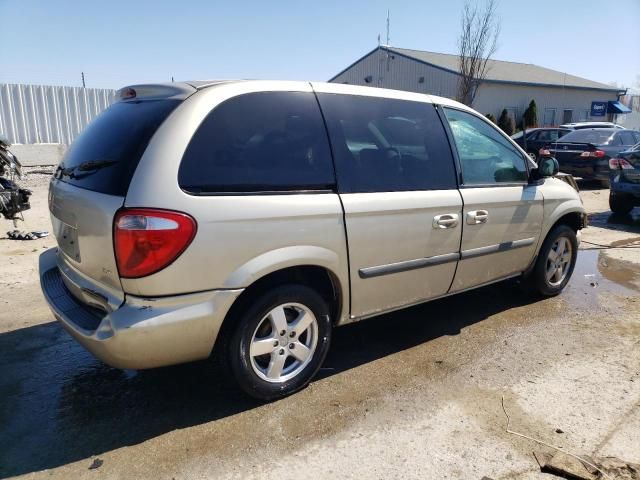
{"x": 595, "y": 153}
{"x": 619, "y": 164}
{"x": 127, "y": 93}
{"x": 147, "y": 240}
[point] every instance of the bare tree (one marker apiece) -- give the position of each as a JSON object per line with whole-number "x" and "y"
{"x": 478, "y": 41}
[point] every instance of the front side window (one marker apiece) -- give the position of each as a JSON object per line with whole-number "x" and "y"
{"x": 265, "y": 141}
{"x": 387, "y": 145}
{"x": 486, "y": 156}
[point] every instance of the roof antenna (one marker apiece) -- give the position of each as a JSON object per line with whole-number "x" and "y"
{"x": 388, "y": 38}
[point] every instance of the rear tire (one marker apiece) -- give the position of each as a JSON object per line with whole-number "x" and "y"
{"x": 555, "y": 262}
{"x": 620, "y": 204}
{"x": 279, "y": 342}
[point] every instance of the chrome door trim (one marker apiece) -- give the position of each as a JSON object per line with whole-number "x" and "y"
{"x": 379, "y": 270}
{"x": 355, "y": 318}
{"x": 500, "y": 247}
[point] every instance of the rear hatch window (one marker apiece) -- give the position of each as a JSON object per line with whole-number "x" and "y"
{"x": 596, "y": 137}
{"x": 104, "y": 157}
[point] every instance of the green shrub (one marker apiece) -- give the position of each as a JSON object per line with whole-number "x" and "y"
{"x": 531, "y": 115}
{"x": 506, "y": 123}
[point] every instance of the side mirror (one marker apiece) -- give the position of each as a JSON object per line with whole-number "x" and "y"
{"x": 547, "y": 167}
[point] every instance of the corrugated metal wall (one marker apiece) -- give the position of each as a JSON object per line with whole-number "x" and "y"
{"x": 48, "y": 114}
{"x": 400, "y": 73}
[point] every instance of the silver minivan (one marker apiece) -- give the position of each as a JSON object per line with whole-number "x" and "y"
{"x": 246, "y": 219}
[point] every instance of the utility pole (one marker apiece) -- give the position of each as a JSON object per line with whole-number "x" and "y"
{"x": 83, "y": 85}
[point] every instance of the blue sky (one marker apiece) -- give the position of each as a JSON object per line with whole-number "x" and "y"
{"x": 118, "y": 42}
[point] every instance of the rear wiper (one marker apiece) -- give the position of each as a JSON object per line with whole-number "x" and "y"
{"x": 95, "y": 165}
{"x": 89, "y": 167}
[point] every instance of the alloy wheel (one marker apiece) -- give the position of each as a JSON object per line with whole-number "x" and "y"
{"x": 284, "y": 342}
{"x": 558, "y": 261}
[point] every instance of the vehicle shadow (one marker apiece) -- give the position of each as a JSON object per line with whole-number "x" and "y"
{"x": 58, "y": 404}
{"x": 623, "y": 222}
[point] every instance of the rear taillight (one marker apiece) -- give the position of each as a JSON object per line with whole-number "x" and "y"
{"x": 147, "y": 240}
{"x": 595, "y": 153}
{"x": 619, "y": 164}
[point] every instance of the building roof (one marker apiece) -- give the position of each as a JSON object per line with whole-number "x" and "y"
{"x": 501, "y": 71}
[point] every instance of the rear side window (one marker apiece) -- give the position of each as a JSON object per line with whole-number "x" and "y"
{"x": 385, "y": 145}
{"x": 627, "y": 138}
{"x": 104, "y": 157}
{"x": 549, "y": 135}
{"x": 259, "y": 142}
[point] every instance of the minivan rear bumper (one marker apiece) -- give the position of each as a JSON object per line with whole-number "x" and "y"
{"x": 142, "y": 332}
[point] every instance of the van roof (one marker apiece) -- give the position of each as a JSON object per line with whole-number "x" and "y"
{"x": 183, "y": 89}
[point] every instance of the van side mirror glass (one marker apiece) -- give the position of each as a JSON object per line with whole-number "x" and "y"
{"x": 548, "y": 167}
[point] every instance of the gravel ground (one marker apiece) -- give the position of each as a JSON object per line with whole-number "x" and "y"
{"x": 413, "y": 394}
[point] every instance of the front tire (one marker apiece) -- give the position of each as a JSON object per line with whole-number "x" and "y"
{"x": 620, "y": 204}
{"x": 556, "y": 261}
{"x": 280, "y": 342}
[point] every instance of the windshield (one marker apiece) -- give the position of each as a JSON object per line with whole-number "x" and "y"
{"x": 104, "y": 157}
{"x": 597, "y": 137}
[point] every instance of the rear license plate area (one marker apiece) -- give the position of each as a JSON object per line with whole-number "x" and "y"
{"x": 67, "y": 237}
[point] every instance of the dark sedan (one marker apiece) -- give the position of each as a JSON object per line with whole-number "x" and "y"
{"x": 625, "y": 180}
{"x": 536, "y": 138}
{"x": 586, "y": 153}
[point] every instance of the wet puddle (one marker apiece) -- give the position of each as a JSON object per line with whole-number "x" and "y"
{"x": 595, "y": 274}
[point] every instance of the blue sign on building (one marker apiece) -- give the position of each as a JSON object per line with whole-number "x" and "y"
{"x": 598, "y": 109}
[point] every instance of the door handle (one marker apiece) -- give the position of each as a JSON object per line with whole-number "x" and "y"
{"x": 447, "y": 220}
{"x": 477, "y": 217}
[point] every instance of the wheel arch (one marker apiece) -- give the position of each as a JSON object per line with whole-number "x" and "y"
{"x": 573, "y": 216}
{"x": 567, "y": 213}
{"x": 316, "y": 267}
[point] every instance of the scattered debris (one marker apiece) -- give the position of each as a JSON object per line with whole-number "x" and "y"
{"x": 559, "y": 449}
{"x": 559, "y": 430}
{"x": 13, "y": 199}
{"x": 18, "y": 235}
{"x": 590, "y": 468}
{"x": 97, "y": 463}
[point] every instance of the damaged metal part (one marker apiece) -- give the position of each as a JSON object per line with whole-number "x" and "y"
{"x": 13, "y": 199}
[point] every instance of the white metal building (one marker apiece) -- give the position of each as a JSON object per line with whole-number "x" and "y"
{"x": 560, "y": 97}
{"x": 46, "y": 114}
